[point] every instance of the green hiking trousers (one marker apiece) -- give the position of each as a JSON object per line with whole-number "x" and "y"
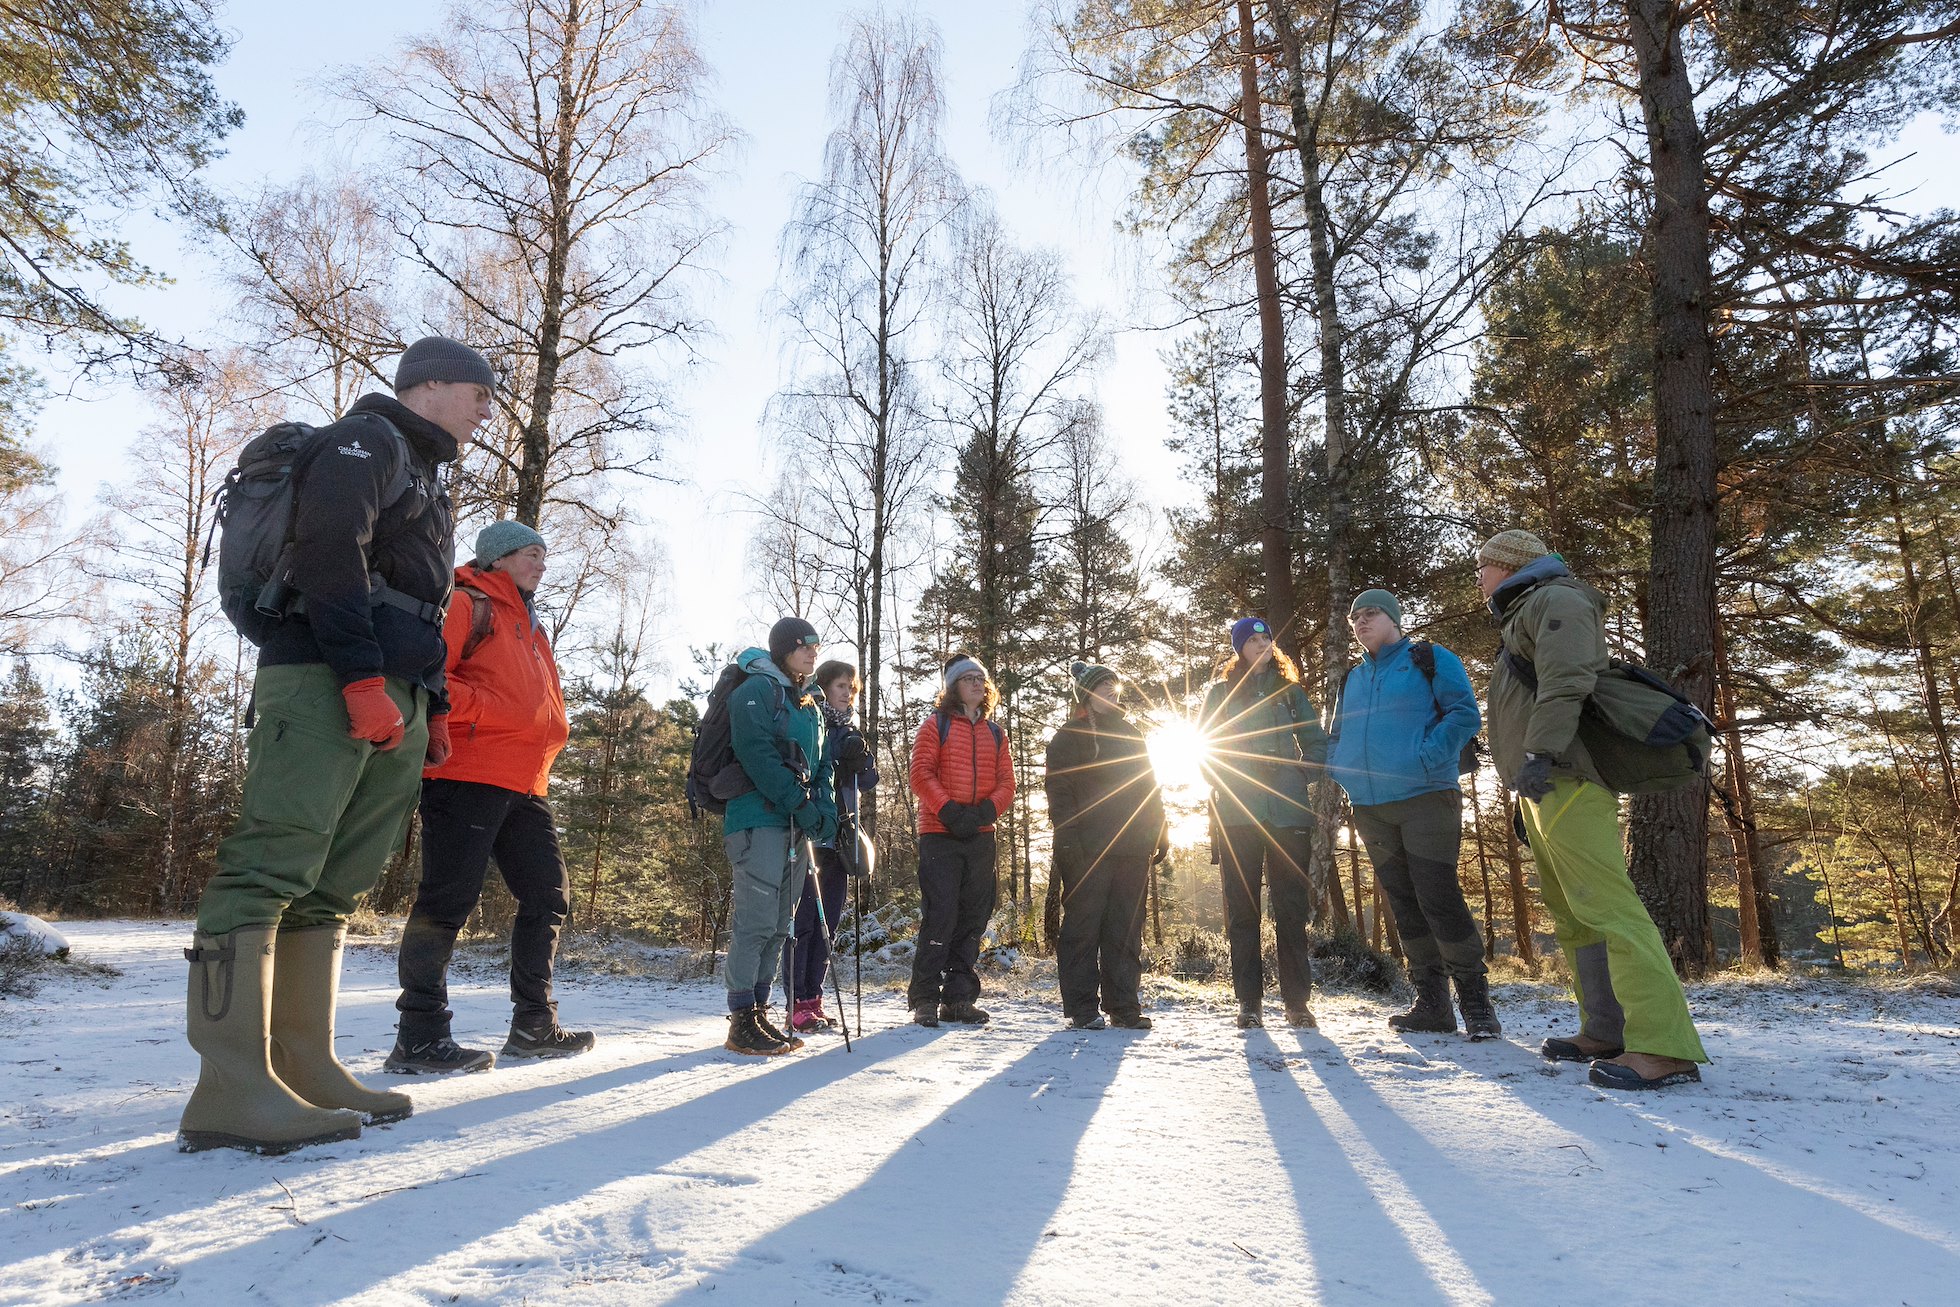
{"x": 322, "y": 812}
{"x": 1582, "y": 872}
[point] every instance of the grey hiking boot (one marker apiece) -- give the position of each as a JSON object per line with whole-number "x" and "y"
{"x": 964, "y": 1014}
{"x": 747, "y": 1037}
{"x": 790, "y": 1043}
{"x": 1250, "y": 1018}
{"x": 439, "y": 1056}
{"x": 926, "y": 1014}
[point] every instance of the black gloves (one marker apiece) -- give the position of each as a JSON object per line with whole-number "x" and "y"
{"x": 964, "y": 820}
{"x": 852, "y": 751}
{"x": 985, "y": 813}
{"x": 1534, "y": 779}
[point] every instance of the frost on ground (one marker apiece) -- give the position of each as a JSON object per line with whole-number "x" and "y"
{"x": 1022, "y": 1163}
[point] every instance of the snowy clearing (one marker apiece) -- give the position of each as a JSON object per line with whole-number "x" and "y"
{"x": 1023, "y": 1163}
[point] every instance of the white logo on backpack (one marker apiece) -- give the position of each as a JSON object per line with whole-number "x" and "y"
{"x": 355, "y": 451}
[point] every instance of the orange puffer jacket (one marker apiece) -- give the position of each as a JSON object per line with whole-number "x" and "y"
{"x": 973, "y": 764}
{"x": 506, "y": 709}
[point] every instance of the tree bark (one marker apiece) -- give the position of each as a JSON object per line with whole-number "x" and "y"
{"x": 1669, "y": 835}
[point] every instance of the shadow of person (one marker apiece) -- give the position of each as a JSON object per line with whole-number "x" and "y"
{"x": 976, "y": 1187}
{"x": 556, "y": 1162}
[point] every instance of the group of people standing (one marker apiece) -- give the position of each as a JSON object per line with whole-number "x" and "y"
{"x": 394, "y": 680}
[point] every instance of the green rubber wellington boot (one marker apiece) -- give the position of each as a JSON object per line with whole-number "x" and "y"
{"x": 239, "y": 1102}
{"x": 305, "y": 990}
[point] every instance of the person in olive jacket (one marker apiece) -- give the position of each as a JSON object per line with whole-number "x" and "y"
{"x": 1264, "y": 748}
{"x": 1635, "y": 1028}
{"x": 1108, "y": 815}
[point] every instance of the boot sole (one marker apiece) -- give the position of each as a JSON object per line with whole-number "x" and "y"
{"x": 407, "y": 1069}
{"x": 1479, "y": 1036}
{"x": 755, "y": 1052}
{"x": 541, "y": 1054}
{"x": 387, "y": 1118}
{"x": 198, "y": 1141}
{"x": 1432, "y": 1028}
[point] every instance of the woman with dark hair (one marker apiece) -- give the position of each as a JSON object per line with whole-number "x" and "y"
{"x": 963, "y": 775}
{"x": 1264, "y": 749}
{"x": 1108, "y": 815}
{"x": 850, "y": 755}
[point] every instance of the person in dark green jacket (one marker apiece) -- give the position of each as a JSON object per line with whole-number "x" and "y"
{"x": 1636, "y": 1030}
{"x": 1264, "y": 748}
{"x": 777, "y": 733}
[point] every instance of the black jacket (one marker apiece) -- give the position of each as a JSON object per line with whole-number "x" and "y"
{"x": 1103, "y": 798}
{"x": 343, "y": 534}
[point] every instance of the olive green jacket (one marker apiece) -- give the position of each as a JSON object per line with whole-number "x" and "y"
{"x": 1552, "y": 620}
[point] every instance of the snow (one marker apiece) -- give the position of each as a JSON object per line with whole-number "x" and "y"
{"x": 32, "y": 932}
{"x": 1022, "y": 1163}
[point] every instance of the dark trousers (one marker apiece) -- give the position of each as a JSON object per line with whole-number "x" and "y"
{"x": 464, "y": 824}
{"x": 1413, "y": 844}
{"x": 957, "y": 893}
{"x": 1099, "y": 956}
{"x": 1281, "y": 852}
{"x": 811, "y": 963}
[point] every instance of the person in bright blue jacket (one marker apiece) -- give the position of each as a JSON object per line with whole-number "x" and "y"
{"x": 1406, "y": 713}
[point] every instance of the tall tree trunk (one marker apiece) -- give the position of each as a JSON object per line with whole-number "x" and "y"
{"x": 1520, "y": 896}
{"x": 1483, "y": 868}
{"x": 1756, "y": 905}
{"x": 1669, "y": 837}
{"x": 1275, "y": 510}
{"x": 1332, "y": 340}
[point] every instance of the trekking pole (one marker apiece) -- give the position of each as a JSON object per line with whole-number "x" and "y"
{"x": 789, "y": 940}
{"x": 823, "y": 925}
{"x": 857, "y": 946}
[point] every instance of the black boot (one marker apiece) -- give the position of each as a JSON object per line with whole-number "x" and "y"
{"x": 926, "y": 1014}
{"x": 748, "y": 1038}
{"x": 1432, "y": 1013}
{"x": 1250, "y": 1018}
{"x": 435, "y": 1057}
{"x": 964, "y": 1014}
{"x": 547, "y": 1040}
{"x": 1473, "y": 996}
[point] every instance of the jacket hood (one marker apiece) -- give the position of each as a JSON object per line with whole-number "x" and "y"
{"x": 758, "y": 660}
{"x": 1524, "y": 580}
{"x": 430, "y": 440}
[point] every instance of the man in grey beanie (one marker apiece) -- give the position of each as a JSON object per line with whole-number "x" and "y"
{"x": 351, "y": 703}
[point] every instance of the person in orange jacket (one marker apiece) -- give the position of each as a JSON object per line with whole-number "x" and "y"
{"x": 506, "y": 725}
{"x": 963, "y": 775}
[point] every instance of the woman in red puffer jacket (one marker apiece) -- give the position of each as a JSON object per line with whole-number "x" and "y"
{"x": 963, "y": 775}
{"x": 506, "y": 725}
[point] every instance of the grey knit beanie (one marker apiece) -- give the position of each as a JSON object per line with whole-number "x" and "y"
{"x": 962, "y": 665}
{"x": 502, "y": 538}
{"x": 438, "y": 358}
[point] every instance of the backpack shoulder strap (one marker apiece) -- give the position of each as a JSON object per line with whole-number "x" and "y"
{"x": 402, "y": 480}
{"x": 1521, "y": 668}
{"x": 482, "y": 620}
{"x": 1423, "y": 654}
{"x": 944, "y": 720}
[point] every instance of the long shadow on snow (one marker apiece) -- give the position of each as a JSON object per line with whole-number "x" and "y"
{"x": 1600, "y": 1118}
{"x": 960, "y": 1206}
{"x": 1328, "y": 1189}
{"x": 568, "y": 1166}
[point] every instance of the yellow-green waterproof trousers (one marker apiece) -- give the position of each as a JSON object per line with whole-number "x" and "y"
{"x": 1582, "y": 871}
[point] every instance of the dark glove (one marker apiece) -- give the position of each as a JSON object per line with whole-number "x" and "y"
{"x": 439, "y": 746}
{"x": 815, "y": 822}
{"x": 1534, "y": 779}
{"x": 957, "y": 818}
{"x": 984, "y": 814}
{"x": 852, "y": 752}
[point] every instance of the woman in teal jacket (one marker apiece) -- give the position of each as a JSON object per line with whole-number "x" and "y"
{"x": 1264, "y": 747}
{"x": 1406, "y": 712}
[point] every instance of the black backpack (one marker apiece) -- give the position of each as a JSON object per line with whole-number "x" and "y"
{"x": 1423, "y": 654}
{"x": 714, "y": 777}
{"x": 255, "y": 518}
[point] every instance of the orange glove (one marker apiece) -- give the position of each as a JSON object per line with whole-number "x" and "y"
{"x": 372, "y": 715}
{"x": 439, "y": 746}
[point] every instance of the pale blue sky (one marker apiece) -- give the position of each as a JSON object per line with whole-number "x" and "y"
{"x": 771, "y": 59}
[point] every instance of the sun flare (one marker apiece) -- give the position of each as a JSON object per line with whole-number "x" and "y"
{"x": 1177, "y": 751}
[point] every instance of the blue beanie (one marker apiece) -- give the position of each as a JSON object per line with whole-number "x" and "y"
{"x": 501, "y": 538}
{"x": 1247, "y": 627}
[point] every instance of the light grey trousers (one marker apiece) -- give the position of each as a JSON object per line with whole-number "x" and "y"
{"x": 767, "y": 885}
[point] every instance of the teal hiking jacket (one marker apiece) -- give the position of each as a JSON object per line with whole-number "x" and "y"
{"x": 778, "y": 737}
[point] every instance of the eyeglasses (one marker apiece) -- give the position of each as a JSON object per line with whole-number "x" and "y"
{"x": 1360, "y": 615}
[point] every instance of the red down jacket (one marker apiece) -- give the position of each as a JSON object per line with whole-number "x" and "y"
{"x": 973, "y": 764}
{"x": 506, "y": 710}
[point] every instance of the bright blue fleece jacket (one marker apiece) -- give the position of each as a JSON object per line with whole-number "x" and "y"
{"x": 1398, "y": 735}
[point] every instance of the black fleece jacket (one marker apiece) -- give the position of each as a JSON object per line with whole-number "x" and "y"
{"x": 344, "y": 534}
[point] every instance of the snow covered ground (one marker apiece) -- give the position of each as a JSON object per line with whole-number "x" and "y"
{"x": 1023, "y": 1163}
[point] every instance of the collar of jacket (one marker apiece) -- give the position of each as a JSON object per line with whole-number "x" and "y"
{"x": 498, "y": 585}
{"x": 835, "y": 719}
{"x": 758, "y": 660}
{"x": 1523, "y": 581}
{"x": 1387, "y": 651}
{"x": 429, "y": 440}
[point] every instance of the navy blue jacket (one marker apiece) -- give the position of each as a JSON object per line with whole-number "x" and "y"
{"x": 1398, "y": 735}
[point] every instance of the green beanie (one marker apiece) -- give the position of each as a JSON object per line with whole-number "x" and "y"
{"x": 1084, "y": 677}
{"x": 1381, "y": 599}
{"x": 501, "y": 538}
